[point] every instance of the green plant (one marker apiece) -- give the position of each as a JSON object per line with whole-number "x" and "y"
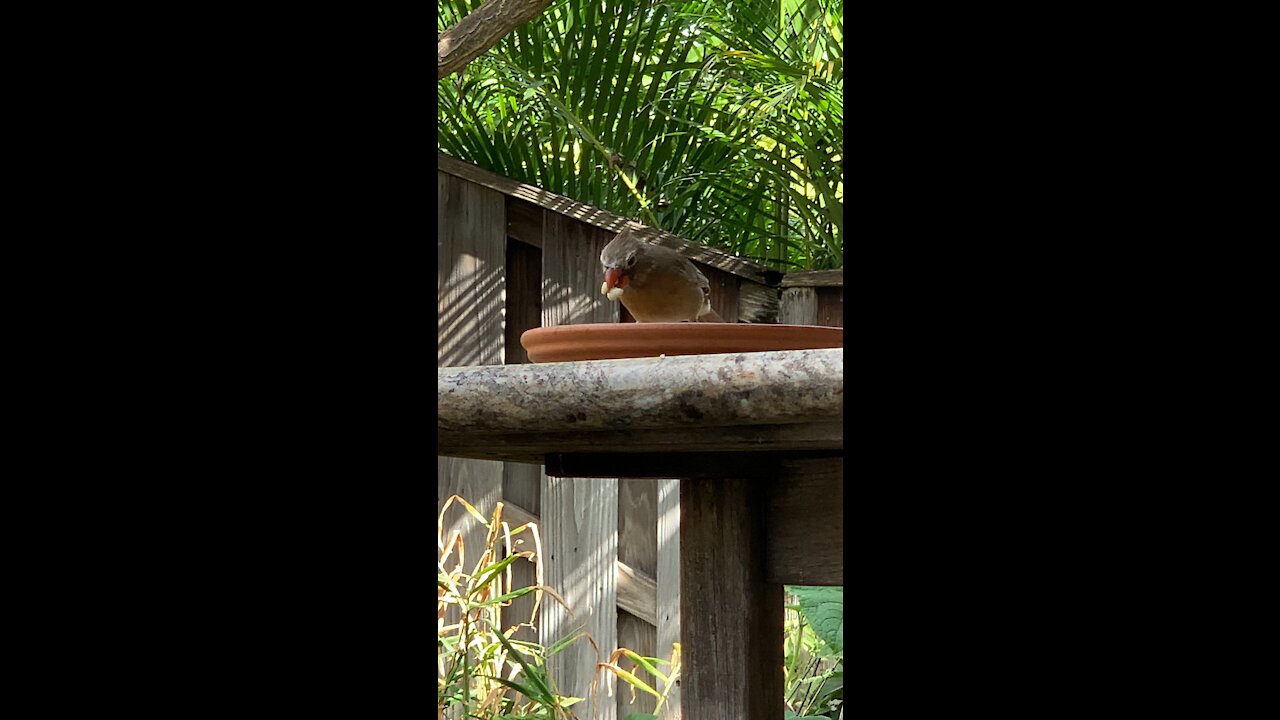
{"x": 814, "y": 652}
{"x": 719, "y": 120}
{"x": 649, "y": 665}
{"x": 483, "y": 672}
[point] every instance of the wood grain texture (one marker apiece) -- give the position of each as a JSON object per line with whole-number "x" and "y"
{"x": 471, "y": 251}
{"x": 668, "y": 584}
{"x": 565, "y": 207}
{"x": 638, "y": 524}
{"x": 724, "y": 292}
{"x": 479, "y": 482}
{"x": 524, "y": 221}
{"x": 580, "y": 543}
{"x": 521, "y": 497}
{"x": 571, "y": 273}
{"x": 638, "y": 595}
{"x": 731, "y": 618}
{"x": 637, "y": 566}
{"x": 814, "y": 278}
{"x": 831, "y": 306}
{"x": 757, "y": 303}
{"x": 524, "y": 298}
{"x": 638, "y": 635}
{"x": 636, "y": 591}
{"x": 799, "y": 306}
{"x": 806, "y": 523}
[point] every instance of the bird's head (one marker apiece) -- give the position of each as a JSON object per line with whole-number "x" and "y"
{"x": 619, "y": 258}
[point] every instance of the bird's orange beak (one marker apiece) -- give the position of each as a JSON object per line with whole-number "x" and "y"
{"x": 613, "y": 277}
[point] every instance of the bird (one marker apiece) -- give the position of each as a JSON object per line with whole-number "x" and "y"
{"x": 654, "y": 283}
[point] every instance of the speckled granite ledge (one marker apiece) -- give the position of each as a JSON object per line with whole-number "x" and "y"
{"x": 767, "y": 388}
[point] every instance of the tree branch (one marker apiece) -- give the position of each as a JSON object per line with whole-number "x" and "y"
{"x": 481, "y": 30}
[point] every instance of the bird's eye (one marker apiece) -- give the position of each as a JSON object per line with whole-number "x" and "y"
{"x": 631, "y": 259}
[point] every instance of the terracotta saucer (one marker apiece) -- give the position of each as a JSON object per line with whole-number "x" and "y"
{"x": 606, "y": 341}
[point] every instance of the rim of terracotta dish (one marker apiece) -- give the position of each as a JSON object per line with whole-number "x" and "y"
{"x": 723, "y": 328}
{"x": 611, "y": 341}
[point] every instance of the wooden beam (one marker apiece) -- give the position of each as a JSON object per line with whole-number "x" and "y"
{"x": 730, "y": 616}
{"x": 596, "y": 217}
{"x": 806, "y": 500}
{"x": 682, "y": 464}
{"x": 536, "y": 447}
{"x": 814, "y": 278}
{"x": 637, "y": 594}
{"x": 806, "y": 523}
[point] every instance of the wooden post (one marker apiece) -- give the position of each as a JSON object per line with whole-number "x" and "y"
{"x": 730, "y": 618}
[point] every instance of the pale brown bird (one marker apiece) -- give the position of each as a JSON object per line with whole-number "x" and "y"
{"x": 654, "y": 283}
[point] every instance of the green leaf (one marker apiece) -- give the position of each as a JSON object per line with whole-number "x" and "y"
{"x": 823, "y": 607}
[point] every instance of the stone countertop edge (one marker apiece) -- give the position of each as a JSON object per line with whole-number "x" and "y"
{"x": 758, "y": 388}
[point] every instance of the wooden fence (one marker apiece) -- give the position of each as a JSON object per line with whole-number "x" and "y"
{"x": 513, "y": 257}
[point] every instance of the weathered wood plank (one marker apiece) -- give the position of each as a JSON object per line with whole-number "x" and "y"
{"x": 731, "y": 618}
{"x": 814, "y": 278}
{"x": 636, "y": 634}
{"x": 831, "y": 307}
{"x": 806, "y": 523}
{"x": 637, "y": 590}
{"x": 479, "y": 482}
{"x": 668, "y": 582}
{"x": 558, "y": 204}
{"x": 471, "y": 250}
{"x": 524, "y": 221}
{"x": 521, "y": 497}
{"x": 571, "y": 273}
{"x": 580, "y": 543}
{"x": 799, "y": 306}
{"x": 638, "y": 595}
{"x": 524, "y": 298}
{"x": 757, "y": 303}
{"x": 638, "y": 525}
{"x": 724, "y": 292}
